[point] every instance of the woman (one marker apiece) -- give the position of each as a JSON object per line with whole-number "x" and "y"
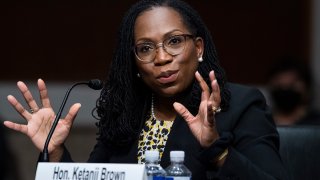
{"x": 167, "y": 91}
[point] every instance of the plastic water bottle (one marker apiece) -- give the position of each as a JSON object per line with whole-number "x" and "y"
{"x": 153, "y": 168}
{"x": 177, "y": 170}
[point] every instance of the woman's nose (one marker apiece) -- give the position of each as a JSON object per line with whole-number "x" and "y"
{"x": 162, "y": 57}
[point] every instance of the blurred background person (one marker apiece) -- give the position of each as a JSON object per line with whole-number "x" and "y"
{"x": 290, "y": 88}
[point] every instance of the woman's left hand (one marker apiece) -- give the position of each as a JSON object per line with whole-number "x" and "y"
{"x": 203, "y": 124}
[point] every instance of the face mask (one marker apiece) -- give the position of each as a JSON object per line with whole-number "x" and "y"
{"x": 285, "y": 100}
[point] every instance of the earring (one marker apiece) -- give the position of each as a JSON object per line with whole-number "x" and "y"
{"x": 200, "y": 59}
{"x": 138, "y": 75}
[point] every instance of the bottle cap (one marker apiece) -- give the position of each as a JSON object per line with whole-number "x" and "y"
{"x": 177, "y": 156}
{"x": 151, "y": 155}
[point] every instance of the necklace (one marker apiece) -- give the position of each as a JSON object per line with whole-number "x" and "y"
{"x": 155, "y": 136}
{"x": 152, "y": 108}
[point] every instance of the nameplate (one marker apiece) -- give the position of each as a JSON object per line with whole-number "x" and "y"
{"x": 90, "y": 171}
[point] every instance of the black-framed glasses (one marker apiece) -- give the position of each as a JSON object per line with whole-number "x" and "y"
{"x": 173, "y": 45}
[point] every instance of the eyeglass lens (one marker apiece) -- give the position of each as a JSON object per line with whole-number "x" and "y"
{"x": 173, "y": 45}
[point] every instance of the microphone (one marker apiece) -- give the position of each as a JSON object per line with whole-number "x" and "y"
{"x": 95, "y": 84}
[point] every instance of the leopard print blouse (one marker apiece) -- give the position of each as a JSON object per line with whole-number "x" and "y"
{"x": 153, "y": 136}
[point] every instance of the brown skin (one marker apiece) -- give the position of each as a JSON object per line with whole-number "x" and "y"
{"x": 290, "y": 79}
{"x": 152, "y": 25}
{"x": 155, "y": 25}
{"x": 40, "y": 121}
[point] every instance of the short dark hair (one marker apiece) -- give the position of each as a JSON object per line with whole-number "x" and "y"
{"x": 288, "y": 63}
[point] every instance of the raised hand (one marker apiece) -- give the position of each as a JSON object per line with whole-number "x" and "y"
{"x": 203, "y": 124}
{"x": 40, "y": 119}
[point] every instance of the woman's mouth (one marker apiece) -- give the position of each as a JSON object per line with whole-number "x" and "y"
{"x": 168, "y": 77}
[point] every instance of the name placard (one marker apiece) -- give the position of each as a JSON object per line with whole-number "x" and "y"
{"x": 90, "y": 171}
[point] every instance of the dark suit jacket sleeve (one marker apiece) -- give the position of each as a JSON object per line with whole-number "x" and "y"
{"x": 100, "y": 154}
{"x": 254, "y": 151}
{"x": 66, "y": 157}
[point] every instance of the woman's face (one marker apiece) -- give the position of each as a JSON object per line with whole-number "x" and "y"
{"x": 167, "y": 75}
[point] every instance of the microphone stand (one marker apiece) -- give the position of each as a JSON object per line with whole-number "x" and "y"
{"x": 45, "y": 153}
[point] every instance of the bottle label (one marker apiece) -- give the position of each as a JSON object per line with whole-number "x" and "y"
{"x": 178, "y": 178}
{"x": 156, "y": 178}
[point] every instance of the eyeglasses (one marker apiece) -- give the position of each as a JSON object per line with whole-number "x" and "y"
{"x": 173, "y": 45}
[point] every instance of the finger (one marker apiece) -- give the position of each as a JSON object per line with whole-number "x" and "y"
{"x": 211, "y": 118}
{"x": 19, "y": 108}
{"x": 27, "y": 96}
{"x": 215, "y": 94}
{"x": 205, "y": 89}
{"x": 72, "y": 113}
{"x": 44, "y": 94}
{"x": 183, "y": 111}
{"x": 17, "y": 127}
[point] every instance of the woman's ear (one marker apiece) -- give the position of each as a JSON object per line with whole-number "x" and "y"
{"x": 199, "y": 44}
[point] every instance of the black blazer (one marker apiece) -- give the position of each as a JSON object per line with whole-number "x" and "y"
{"x": 253, "y": 153}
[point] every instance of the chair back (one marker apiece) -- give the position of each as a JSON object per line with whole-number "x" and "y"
{"x": 300, "y": 151}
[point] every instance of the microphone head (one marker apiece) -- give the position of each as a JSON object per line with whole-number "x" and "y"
{"x": 95, "y": 84}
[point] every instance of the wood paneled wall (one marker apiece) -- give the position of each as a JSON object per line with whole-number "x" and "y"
{"x": 69, "y": 41}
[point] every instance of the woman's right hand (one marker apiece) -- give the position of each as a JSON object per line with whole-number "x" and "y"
{"x": 40, "y": 119}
